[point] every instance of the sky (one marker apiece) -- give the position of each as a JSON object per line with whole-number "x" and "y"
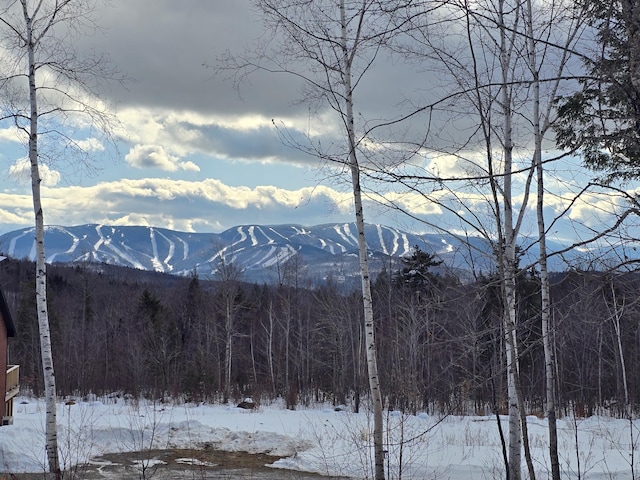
{"x": 193, "y": 153}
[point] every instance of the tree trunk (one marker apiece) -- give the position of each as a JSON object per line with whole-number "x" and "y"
{"x": 515, "y": 430}
{"x": 509, "y": 260}
{"x": 41, "y": 267}
{"x": 269, "y": 332}
{"x": 616, "y": 316}
{"x": 545, "y": 288}
{"x": 549, "y": 354}
{"x": 369, "y": 326}
{"x": 227, "y": 351}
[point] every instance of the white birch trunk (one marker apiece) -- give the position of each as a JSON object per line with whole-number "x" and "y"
{"x": 269, "y": 332}
{"x": 51, "y": 437}
{"x": 508, "y": 264}
{"x": 228, "y": 327}
{"x": 515, "y": 430}
{"x": 545, "y": 289}
{"x": 616, "y": 316}
{"x": 369, "y": 326}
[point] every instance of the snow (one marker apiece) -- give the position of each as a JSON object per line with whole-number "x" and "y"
{"x": 347, "y": 236}
{"x": 317, "y": 439}
{"x": 106, "y": 241}
{"x": 254, "y": 239}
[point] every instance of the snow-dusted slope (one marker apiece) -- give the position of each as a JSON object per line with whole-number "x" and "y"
{"x": 260, "y": 250}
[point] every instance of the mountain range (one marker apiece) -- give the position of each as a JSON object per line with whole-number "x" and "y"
{"x": 327, "y": 251}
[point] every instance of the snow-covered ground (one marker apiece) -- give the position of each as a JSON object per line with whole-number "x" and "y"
{"x": 317, "y": 439}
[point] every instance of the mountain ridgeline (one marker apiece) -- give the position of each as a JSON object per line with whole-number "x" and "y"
{"x": 327, "y": 251}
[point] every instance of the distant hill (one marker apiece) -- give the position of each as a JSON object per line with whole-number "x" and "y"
{"x": 260, "y": 250}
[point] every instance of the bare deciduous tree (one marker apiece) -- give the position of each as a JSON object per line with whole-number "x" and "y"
{"x": 506, "y": 60}
{"x": 330, "y": 46}
{"x": 45, "y": 87}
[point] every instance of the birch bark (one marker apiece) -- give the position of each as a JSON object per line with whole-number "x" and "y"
{"x": 51, "y": 442}
{"x": 369, "y": 326}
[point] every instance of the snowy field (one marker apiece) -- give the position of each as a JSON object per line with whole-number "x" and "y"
{"x": 316, "y": 440}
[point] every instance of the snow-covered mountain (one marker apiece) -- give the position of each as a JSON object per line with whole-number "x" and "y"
{"x": 326, "y": 250}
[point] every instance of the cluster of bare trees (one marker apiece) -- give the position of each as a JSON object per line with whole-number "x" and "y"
{"x": 441, "y": 342}
{"x": 508, "y": 65}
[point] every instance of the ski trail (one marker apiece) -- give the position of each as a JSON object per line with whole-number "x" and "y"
{"x": 254, "y": 240}
{"x": 106, "y": 241}
{"x": 100, "y": 241}
{"x": 155, "y": 261}
{"x": 396, "y": 241}
{"x": 347, "y": 231}
{"x": 222, "y": 251}
{"x": 276, "y": 255}
{"x": 269, "y": 239}
{"x": 382, "y": 242}
{"x": 345, "y": 234}
{"x": 74, "y": 244}
{"x": 172, "y": 249}
{"x": 300, "y": 231}
{"x": 243, "y": 237}
{"x": 268, "y": 258}
{"x": 161, "y": 265}
{"x": 405, "y": 243}
{"x": 279, "y": 234}
{"x": 185, "y": 248}
{"x": 12, "y": 243}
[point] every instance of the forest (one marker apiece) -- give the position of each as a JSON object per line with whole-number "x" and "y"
{"x": 440, "y": 341}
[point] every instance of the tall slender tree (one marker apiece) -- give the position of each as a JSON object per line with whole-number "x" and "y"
{"x": 331, "y": 46}
{"x": 45, "y": 86}
{"x": 507, "y": 61}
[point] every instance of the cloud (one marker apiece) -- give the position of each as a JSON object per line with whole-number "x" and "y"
{"x": 90, "y": 145}
{"x": 11, "y": 134}
{"x": 15, "y": 217}
{"x": 189, "y": 166}
{"x": 21, "y": 172}
{"x": 212, "y": 206}
{"x": 207, "y": 205}
{"x": 172, "y": 134}
{"x": 155, "y": 156}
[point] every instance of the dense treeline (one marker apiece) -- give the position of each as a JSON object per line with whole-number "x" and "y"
{"x": 440, "y": 341}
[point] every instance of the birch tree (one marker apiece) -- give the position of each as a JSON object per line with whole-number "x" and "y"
{"x": 45, "y": 88}
{"x": 229, "y": 276}
{"x": 542, "y": 119}
{"x": 506, "y": 61}
{"x": 331, "y": 46}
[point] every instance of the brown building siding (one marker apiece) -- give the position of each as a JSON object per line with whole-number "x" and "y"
{"x": 7, "y": 329}
{"x": 3, "y": 364}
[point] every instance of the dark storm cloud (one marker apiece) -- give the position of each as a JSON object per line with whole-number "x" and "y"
{"x": 162, "y": 46}
{"x": 260, "y": 143}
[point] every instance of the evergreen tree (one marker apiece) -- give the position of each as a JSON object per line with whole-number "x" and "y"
{"x": 416, "y": 271}
{"x": 602, "y": 119}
